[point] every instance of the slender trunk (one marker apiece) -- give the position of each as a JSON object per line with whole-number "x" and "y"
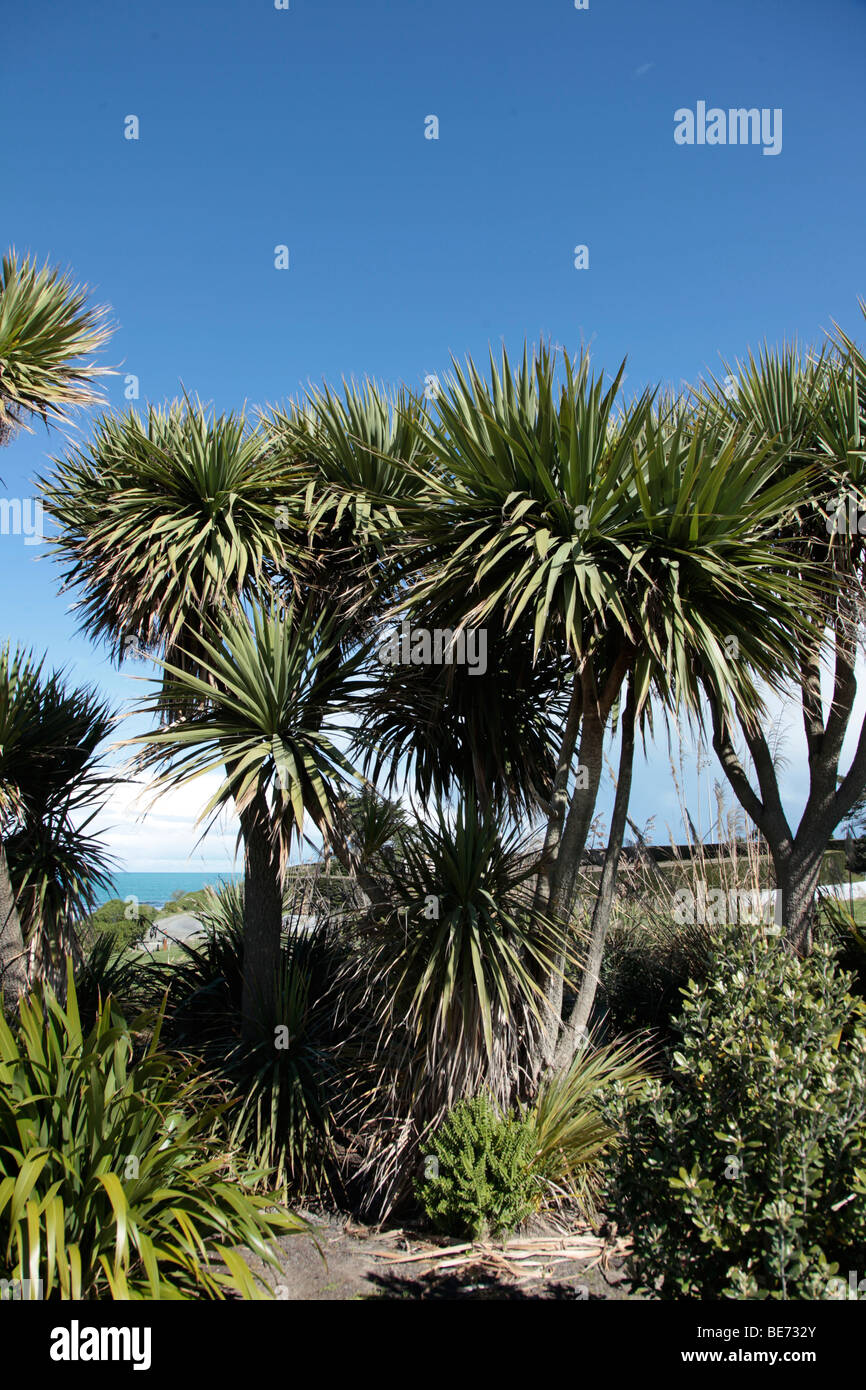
{"x": 596, "y": 711}
{"x": 590, "y": 762}
{"x": 578, "y": 1021}
{"x": 13, "y": 953}
{"x": 797, "y": 856}
{"x": 559, "y": 798}
{"x": 263, "y": 918}
{"x": 571, "y": 850}
{"x": 797, "y": 877}
{"x": 371, "y": 894}
{"x": 539, "y": 1049}
{"x": 563, "y": 874}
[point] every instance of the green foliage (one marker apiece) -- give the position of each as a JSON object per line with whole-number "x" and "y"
{"x": 442, "y": 992}
{"x": 206, "y": 982}
{"x": 834, "y": 868}
{"x": 117, "y": 910}
{"x": 283, "y": 1123}
{"x": 46, "y": 328}
{"x": 263, "y": 713}
{"x": 744, "y": 1175}
{"x": 163, "y": 520}
{"x": 479, "y": 1179}
{"x": 838, "y": 922}
{"x": 648, "y": 961}
{"x": 107, "y": 968}
{"x": 460, "y": 960}
{"x": 352, "y": 464}
{"x": 125, "y": 922}
{"x": 377, "y": 827}
{"x": 453, "y": 726}
{"x": 52, "y": 785}
{"x": 487, "y": 1170}
{"x": 282, "y": 1087}
{"x": 180, "y": 901}
{"x": 111, "y": 1179}
{"x": 571, "y": 1135}
{"x": 603, "y": 524}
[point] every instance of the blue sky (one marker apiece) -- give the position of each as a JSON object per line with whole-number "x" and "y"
{"x": 305, "y": 127}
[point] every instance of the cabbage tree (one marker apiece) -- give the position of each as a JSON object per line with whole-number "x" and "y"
{"x": 814, "y": 405}
{"x": 264, "y": 711}
{"x": 638, "y": 541}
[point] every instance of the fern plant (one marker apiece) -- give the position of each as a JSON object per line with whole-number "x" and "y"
{"x": 478, "y": 1175}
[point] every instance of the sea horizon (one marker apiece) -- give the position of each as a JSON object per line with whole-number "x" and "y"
{"x": 156, "y": 888}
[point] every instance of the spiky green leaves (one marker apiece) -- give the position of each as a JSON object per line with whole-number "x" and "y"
{"x": 52, "y": 784}
{"x": 46, "y": 329}
{"x": 531, "y": 489}
{"x": 164, "y": 521}
{"x": 361, "y": 452}
{"x": 113, "y": 1182}
{"x": 461, "y": 958}
{"x": 265, "y": 713}
{"x": 358, "y": 463}
{"x": 655, "y": 532}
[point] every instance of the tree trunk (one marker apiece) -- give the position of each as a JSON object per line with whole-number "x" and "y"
{"x": 590, "y": 762}
{"x": 559, "y": 798}
{"x": 539, "y": 1050}
{"x": 578, "y": 1021}
{"x": 797, "y": 856}
{"x": 13, "y": 953}
{"x": 797, "y": 877}
{"x": 569, "y": 843}
{"x": 564, "y": 881}
{"x": 263, "y": 920}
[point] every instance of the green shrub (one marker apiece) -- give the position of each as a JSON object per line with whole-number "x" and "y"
{"x": 125, "y": 922}
{"x": 478, "y": 1177}
{"x": 111, "y": 1179}
{"x": 180, "y": 901}
{"x": 571, "y": 1135}
{"x": 206, "y": 982}
{"x": 837, "y": 922}
{"x": 283, "y": 1087}
{"x": 286, "y": 1084}
{"x": 744, "y": 1176}
{"x": 648, "y": 961}
{"x": 834, "y": 867}
{"x": 108, "y": 968}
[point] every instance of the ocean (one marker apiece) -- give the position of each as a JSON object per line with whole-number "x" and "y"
{"x": 157, "y": 889}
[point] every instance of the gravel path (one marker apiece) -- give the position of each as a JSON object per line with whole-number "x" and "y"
{"x": 180, "y": 927}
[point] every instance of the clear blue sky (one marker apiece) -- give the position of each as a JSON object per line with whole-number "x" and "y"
{"x": 306, "y": 127}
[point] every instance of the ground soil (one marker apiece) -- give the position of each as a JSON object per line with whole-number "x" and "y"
{"x": 360, "y": 1262}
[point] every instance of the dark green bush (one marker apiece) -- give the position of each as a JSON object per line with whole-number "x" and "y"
{"x": 283, "y": 1088}
{"x": 745, "y": 1175}
{"x": 648, "y": 961}
{"x": 107, "y": 968}
{"x": 837, "y": 923}
{"x": 125, "y": 922}
{"x": 478, "y": 1177}
{"x": 184, "y": 902}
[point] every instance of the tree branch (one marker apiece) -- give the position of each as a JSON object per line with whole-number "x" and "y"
{"x": 733, "y": 768}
